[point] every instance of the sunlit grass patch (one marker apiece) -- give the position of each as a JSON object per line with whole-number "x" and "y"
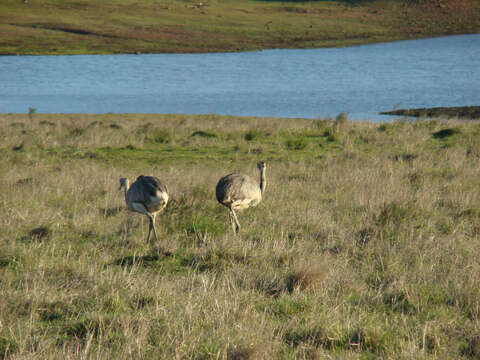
{"x": 204, "y": 225}
{"x": 284, "y": 307}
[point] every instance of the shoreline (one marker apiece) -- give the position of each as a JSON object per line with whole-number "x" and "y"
{"x": 436, "y": 113}
{"x": 366, "y": 43}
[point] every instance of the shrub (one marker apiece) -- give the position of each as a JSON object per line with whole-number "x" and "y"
{"x": 331, "y": 134}
{"x": 77, "y": 132}
{"x": 252, "y": 134}
{"x": 382, "y": 128}
{"x": 296, "y": 144}
{"x": 341, "y": 118}
{"x": 392, "y": 213}
{"x": 31, "y": 112}
{"x": 205, "y": 134}
{"x": 161, "y": 136}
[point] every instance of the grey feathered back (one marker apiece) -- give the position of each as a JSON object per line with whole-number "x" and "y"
{"x": 145, "y": 190}
{"x": 236, "y": 186}
{"x": 152, "y": 184}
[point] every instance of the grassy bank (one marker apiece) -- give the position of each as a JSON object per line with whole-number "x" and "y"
{"x": 88, "y": 26}
{"x": 365, "y": 245}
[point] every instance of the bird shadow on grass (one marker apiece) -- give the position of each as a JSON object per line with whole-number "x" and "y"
{"x": 145, "y": 260}
{"x": 444, "y": 133}
{"x": 37, "y": 234}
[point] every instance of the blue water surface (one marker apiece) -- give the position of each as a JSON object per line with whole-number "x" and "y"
{"x": 360, "y": 80}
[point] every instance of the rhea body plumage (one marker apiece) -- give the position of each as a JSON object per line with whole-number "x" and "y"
{"x": 239, "y": 191}
{"x": 147, "y": 196}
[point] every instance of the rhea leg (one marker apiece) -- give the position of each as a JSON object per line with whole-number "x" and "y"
{"x": 140, "y": 208}
{"x": 152, "y": 226}
{"x": 234, "y": 219}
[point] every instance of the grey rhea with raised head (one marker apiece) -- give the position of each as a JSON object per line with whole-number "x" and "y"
{"x": 239, "y": 191}
{"x": 147, "y": 196}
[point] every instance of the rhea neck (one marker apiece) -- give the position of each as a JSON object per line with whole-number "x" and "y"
{"x": 263, "y": 181}
{"x": 125, "y": 184}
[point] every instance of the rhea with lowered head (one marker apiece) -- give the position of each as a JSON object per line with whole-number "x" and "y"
{"x": 238, "y": 191}
{"x": 147, "y": 196}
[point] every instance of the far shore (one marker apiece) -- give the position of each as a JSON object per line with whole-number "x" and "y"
{"x": 461, "y": 112}
{"x": 177, "y": 26}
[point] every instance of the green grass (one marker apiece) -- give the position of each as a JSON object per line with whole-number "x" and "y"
{"x": 365, "y": 245}
{"x": 92, "y": 27}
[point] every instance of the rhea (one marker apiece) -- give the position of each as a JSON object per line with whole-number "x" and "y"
{"x": 147, "y": 196}
{"x": 238, "y": 191}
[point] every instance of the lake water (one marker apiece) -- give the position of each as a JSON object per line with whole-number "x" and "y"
{"x": 360, "y": 80}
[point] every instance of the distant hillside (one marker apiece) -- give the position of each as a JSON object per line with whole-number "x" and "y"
{"x": 152, "y": 26}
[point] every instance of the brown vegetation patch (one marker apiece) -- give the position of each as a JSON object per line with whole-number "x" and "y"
{"x": 242, "y": 353}
{"x": 315, "y": 336}
{"x": 307, "y": 278}
{"x": 405, "y": 157}
{"x": 365, "y": 235}
{"x": 18, "y": 147}
{"x": 40, "y": 233}
{"x": 24, "y": 181}
{"x": 293, "y": 9}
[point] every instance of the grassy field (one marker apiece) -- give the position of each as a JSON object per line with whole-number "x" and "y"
{"x": 365, "y": 246}
{"x": 151, "y": 26}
